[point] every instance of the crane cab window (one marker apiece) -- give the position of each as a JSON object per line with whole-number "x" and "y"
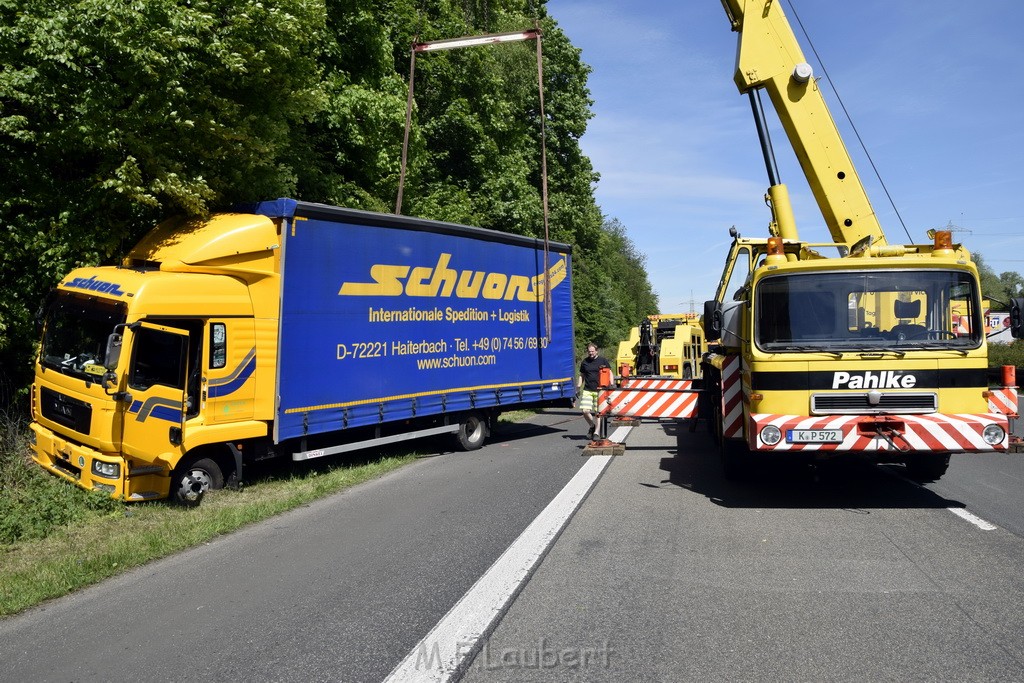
{"x": 864, "y": 310}
{"x": 736, "y": 276}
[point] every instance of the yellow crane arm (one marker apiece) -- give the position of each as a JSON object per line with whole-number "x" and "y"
{"x": 769, "y": 57}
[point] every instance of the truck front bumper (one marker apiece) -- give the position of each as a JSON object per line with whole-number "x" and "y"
{"x": 931, "y": 433}
{"x": 93, "y": 470}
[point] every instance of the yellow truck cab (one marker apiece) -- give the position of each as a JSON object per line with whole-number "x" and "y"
{"x": 188, "y": 314}
{"x": 859, "y": 355}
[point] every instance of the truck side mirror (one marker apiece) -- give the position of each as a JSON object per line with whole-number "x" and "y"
{"x": 108, "y": 381}
{"x": 113, "y": 353}
{"x": 1017, "y": 318}
{"x": 712, "y": 319}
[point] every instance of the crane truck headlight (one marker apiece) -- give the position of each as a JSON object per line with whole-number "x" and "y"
{"x": 993, "y": 434}
{"x": 771, "y": 435}
{"x": 107, "y": 470}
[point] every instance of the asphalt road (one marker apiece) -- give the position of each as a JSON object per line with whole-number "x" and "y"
{"x": 671, "y": 573}
{"x": 339, "y": 590}
{"x": 667, "y": 572}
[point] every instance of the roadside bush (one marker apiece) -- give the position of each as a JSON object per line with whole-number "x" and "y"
{"x": 33, "y": 502}
{"x": 1000, "y": 354}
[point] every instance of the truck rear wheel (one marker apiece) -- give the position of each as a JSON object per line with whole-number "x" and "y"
{"x": 472, "y": 432}
{"x": 191, "y": 481}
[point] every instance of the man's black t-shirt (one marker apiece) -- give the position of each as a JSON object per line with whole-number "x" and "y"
{"x": 590, "y": 370}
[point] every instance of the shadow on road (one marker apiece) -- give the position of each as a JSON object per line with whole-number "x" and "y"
{"x": 509, "y": 431}
{"x": 426, "y": 447}
{"x": 778, "y": 483}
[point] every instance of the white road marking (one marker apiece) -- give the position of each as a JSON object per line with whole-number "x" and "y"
{"x": 620, "y": 434}
{"x": 973, "y": 519}
{"x": 451, "y": 644}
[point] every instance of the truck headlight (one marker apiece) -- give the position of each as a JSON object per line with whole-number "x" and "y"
{"x": 771, "y": 435}
{"x": 107, "y": 470}
{"x": 993, "y": 434}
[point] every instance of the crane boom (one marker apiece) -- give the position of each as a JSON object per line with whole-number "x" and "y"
{"x": 769, "y": 58}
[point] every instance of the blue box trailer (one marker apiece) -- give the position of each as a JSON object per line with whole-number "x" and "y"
{"x": 393, "y": 327}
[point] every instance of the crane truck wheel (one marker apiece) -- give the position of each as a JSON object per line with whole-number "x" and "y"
{"x": 472, "y": 432}
{"x": 926, "y": 468}
{"x": 715, "y": 421}
{"x": 191, "y": 480}
{"x": 736, "y": 460}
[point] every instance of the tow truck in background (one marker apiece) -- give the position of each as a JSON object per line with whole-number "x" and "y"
{"x": 664, "y": 345}
{"x": 659, "y": 369}
{"x": 659, "y": 376}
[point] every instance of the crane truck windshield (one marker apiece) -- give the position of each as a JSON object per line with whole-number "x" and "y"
{"x": 76, "y": 329}
{"x": 878, "y": 310}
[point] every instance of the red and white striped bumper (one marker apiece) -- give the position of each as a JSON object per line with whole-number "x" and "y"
{"x": 925, "y": 433}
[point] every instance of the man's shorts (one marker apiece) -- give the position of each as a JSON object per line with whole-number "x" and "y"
{"x": 588, "y": 401}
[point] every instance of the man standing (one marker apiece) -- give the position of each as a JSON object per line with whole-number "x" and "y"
{"x": 588, "y": 384}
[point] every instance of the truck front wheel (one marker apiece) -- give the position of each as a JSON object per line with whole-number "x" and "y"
{"x": 472, "y": 432}
{"x": 190, "y": 481}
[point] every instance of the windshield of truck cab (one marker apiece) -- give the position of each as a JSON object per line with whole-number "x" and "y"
{"x": 75, "y": 331}
{"x": 896, "y": 310}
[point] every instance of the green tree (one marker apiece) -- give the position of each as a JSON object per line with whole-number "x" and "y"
{"x": 114, "y": 115}
{"x": 1012, "y": 283}
{"x": 612, "y": 291}
{"x": 998, "y": 288}
{"x": 349, "y": 151}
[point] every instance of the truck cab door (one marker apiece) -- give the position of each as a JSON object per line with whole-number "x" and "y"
{"x": 156, "y": 385}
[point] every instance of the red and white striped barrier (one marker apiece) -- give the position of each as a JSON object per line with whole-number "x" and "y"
{"x": 656, "y": 384}
{"x": 649, "y": 402}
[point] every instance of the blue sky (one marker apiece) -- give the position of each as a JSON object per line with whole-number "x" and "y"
{"x": 934, "y": 89}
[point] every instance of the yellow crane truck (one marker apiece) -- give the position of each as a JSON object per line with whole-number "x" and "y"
{"x": 857, "y": 354}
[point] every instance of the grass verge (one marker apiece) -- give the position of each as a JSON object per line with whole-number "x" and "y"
{"x": 56, "y": 538}
{"x": 105, "y": 541}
